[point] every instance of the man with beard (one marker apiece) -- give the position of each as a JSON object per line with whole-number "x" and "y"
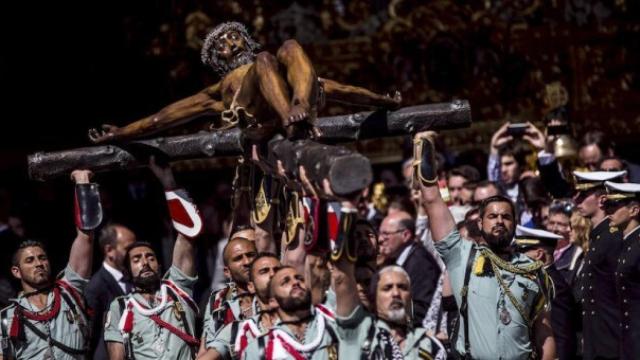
{"x": 303, "y": 331}
{"x": 231, "y": 340}
{"x": 502, "y": 295}
{"x": 234, "y": 302}
{"x": 254, "y": 89}
{"x": 157, "y": 320}
{"x": 596, "y": 289}
{"x": 389, "y": 334}
{"x": 49, "y": 319}
{"x": 623, "y": 203}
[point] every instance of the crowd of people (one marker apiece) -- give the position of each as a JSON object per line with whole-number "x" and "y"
{"x": 539, "y": 260}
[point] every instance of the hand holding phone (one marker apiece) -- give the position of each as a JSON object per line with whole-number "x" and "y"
{"x": 517, "y": 129}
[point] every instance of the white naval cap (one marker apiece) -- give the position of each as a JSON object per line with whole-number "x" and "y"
{"x": 621, "y": 191}
{"x": 527, "y": 237}
{"x": 586, "y": 180}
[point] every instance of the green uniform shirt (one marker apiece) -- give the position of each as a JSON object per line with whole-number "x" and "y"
{"x": 489, "y": 337}
{"x": 63, "y": 328}
{"x": 224, "y": 341}
{"x": 357, "y": 336}
{"x": 325, "y": 350}
{"x": 148, "y": 339}
{"x": 212, "y": 324}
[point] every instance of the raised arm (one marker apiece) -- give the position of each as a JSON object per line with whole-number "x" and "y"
{"x": 180, "y": 112}
{"x": 441, "y": 221}
{"x": 354, "y": 95}
{"x": 184, "y": 215}
{"x": 88, "y": 215}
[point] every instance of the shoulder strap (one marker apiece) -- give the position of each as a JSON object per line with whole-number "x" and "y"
{"x": 7, "y": 344}
{"x": 234, "y": 330}
{"x": 261, "y": 346}
{"x": 463, "y": 306}
{"x": 126, "y": 339}
{"x": 368, "y": 342}
{"x": 52, "y": 341}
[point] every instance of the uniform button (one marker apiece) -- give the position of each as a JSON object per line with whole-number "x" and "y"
{"x": 626, "y": 327}
{"x": 592, "y": 301}
{"x": 618, "y": 261}
{"x": 581, "y": 287}
{"x": 589, "y": 262}
{"x": 624, "y": 260}
{"x": 590, "y": 287}
{"x": 624, "y": 288}
{"x": 626, "y": 313}
{"x": 597, "y": 237}
{"x": 590, "y": 274}
{"x": 593, "y": 312}
{"x": 582, "y": 300}
{"x": 584, "y": 312}
{"x": 624, "y": 301}
{"x": 629, "y": 248}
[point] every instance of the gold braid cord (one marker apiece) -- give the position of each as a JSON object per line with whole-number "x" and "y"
{"x": 497, "y": 263}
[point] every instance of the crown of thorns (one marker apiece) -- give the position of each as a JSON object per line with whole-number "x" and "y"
{"x": 209, "y": 55}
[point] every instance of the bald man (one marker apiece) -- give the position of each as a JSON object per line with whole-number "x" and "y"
{"x": 233, "y": 302}
{"x": 108, "y": 282}
{"x": 397, "y": 244}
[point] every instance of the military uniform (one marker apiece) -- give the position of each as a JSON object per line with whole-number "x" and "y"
{"x": 65, "y": 335}
{"x": 232, "y": 339}
{"x": 164, "y": 332}
{"x": 497, "y": 329}
{"x": 627, "y": 272}
{"x": 628, "y": 286}
{"x": 362, "y": 336}
{"x": 320, "y": 340}
{"x": 565, "y": 318}
{"x": 223, "y": 308}
{"x": 600, "y": 313}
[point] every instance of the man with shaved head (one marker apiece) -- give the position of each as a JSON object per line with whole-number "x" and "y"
{"x": 396, "y": 242}
{"x": 234, "y": 302}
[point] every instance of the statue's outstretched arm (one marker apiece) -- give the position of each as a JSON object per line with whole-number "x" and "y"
{"x": 355, "y": 95}
{"x": 180, "y": 112}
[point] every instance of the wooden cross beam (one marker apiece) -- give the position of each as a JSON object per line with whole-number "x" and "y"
{"x": 334, "y": 129}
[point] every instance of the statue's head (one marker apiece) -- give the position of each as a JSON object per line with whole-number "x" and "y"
{"x": 227, "y": 47}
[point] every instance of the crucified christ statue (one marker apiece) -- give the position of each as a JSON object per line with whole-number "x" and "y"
{"x": 261, "y": 93}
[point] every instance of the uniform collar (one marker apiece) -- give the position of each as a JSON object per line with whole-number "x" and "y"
{"x": 413, "y": 335}
{"x": 633, "y": 232}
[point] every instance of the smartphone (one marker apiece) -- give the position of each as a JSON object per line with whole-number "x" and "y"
{"x": 517, "y": 130}
{"x": 558, "y": 129}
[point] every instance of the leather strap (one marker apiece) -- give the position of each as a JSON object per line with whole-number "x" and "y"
{"x": 464, "y": 308}
{"x": 52, "y": 341}
{"x": 7, "y": 344}
{"x": 128, "y": 351}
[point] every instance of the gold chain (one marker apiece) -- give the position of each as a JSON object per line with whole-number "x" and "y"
{"x": 497, "y": 263}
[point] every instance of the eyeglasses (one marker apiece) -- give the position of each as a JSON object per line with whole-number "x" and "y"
{"x": 389, "y": 233}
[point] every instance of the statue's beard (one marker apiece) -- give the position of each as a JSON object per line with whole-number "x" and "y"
{"x": 498, "y": 243}
{"x": 224, "y": 67}
{"x": 147, "y": 284}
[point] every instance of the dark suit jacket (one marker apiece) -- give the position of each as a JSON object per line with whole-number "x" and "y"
{"x": 424, "y": 273}
{"x": 565, "y": 320}
{"x": 101, "y": 290}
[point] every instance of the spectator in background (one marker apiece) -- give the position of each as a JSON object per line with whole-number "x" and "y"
{"x": 580, "y": 228}
{"x": 567, "y": 255}
{"x": 108, "y": 282}
{"x": 484, "y": 190}
{"x": 507, "y": 162}
{"x": 533, "y": 196}
{"x": 457, "y": 180}
{"x": 397, "y": 244}
{"x": 595, "y": 146}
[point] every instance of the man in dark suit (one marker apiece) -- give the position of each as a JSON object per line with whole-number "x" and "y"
{"x": 108, "y": 282}
{"x": 397, "y": 245}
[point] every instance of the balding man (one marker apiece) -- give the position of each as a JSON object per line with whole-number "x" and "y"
{"x": 396, "y": 243}
{"x": 234, "y": 302}
{"x": 108, "y": 283}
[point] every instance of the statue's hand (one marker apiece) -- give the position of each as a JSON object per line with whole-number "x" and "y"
{"x": 105, "y": 133}
{"x": 396, "y": 98}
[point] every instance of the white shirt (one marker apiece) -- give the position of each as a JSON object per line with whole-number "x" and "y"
{"x": 117, "y": 274}
{"x": 404, "y": 255}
